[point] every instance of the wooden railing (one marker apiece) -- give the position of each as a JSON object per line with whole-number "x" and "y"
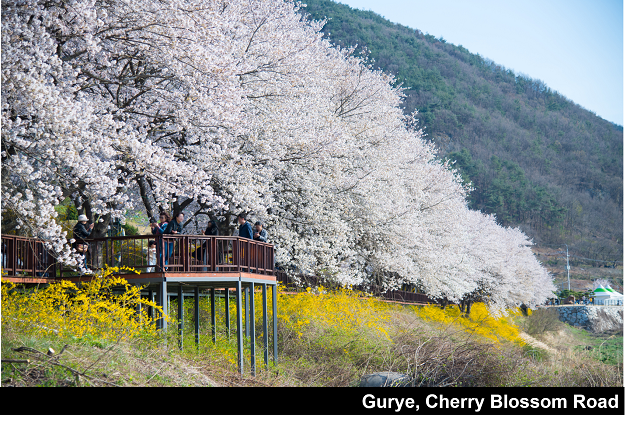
{"x": 406, "y": 296}
{"x": 181, "y": 253}
{"x": 28, "y": 257}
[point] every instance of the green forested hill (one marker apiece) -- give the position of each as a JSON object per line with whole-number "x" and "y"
{"x": 536, "y": 159}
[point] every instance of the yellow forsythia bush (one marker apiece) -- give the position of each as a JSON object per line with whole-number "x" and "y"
{"x": 350, "y": 312}
{"x": 480, "y": 322}
{"x": 90, "y": 309}
{"x": 340, "y": 310}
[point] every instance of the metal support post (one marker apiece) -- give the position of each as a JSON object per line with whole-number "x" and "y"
{"x": 265, "y": 323}
{"x": 151, "y": 311}
{"x": 246, "y": 289}
{"x": 180, "y": 314}
{"x": 213, "y": 315}
{"x": 139, "y": 306}
{"x": 197, "y": 316}
{"x": 227, "y": 312}
{"x": 252, "y": 335}
{"x": 239, "y": 325}
{"x": 163, "y": 301}
{"x": 274, "y": 311}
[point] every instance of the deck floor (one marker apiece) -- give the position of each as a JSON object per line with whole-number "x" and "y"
{"x": 209, "y": 279}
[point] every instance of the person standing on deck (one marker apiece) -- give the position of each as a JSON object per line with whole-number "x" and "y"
{"x": 152, "y": 256}
{"x": 211, "y": 230}
{"x": 81, "y": 232}
{"x": 158, "y": 229}
{"x": 259, "y": 233}
{"x": 245, "y": 229}
{"x": 174, "y": 227}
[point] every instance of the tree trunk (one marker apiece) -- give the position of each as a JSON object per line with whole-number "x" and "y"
{"x": 443, "y": 303}
{"x": 100, "y": 228}
{"x": 99, "y": 231}
{"x": 147, "y": 196}
{"x": 524, "y": 309}
{"x": 224, "y": 227}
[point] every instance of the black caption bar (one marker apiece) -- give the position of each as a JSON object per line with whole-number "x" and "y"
{"x": 319, "y": 401}
{"x": 489, "y": 401}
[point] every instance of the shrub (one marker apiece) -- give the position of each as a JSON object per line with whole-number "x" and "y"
{"x": 542, "y": 320}
{"x": 480, "y": 322}
{"x": 89, "y": 310}
{"x": 130, "y": 230}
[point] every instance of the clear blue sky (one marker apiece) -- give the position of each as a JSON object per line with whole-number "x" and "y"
{"x": 573, "y": 46}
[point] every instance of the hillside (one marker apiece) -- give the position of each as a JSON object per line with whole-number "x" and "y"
{"x": 536, "y": 159}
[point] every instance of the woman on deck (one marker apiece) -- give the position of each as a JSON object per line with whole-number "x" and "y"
{"x": 81, "y": 232}
{"x": 211, "y": 230}
{"x": 158, "y": 229}
{"x": 174, "y": 227}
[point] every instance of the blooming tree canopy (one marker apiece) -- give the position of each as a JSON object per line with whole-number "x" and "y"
{"x": 217, "y": 107}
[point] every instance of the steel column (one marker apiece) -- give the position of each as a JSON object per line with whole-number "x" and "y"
{"x": 274, "y": 310}
{"x": 227, "y": 312}
{"x": 139, "y": 306}
{"x": 239, "y": 325}
{"x": 197, "y": 316}
{"x": 180, "y": 314}
{"x": 246, "y": 289}
{"x": 265, "y": 323}
{"x": 163, "y": 302}
{"x": 252, "y": 334}
{"x": 214, "y": 315}
{"x": 151, "y": 310}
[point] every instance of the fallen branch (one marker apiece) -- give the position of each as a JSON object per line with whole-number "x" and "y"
{"x": 54, "y": 360}
{"x": 156, "y": 373}
{"x": 13, "y": 360}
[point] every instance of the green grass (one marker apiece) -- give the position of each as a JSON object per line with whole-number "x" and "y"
{"x": 606, "y": 347}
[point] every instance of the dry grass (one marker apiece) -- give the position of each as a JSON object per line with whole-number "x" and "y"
{"x": 315, "y": 354}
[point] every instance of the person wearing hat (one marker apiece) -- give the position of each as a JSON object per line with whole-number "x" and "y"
{"x": 81, "y": 232}
{"x": 259, "y": 233}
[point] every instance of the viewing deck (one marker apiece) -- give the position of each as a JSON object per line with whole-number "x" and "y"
{"x": 181, "y": 263}
{"x": 194, "y": 255}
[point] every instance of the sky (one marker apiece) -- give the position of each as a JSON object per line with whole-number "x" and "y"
{"x": 574, "y": 46}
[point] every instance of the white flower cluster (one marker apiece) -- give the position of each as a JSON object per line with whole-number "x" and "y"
{"x": 235, "y": 106}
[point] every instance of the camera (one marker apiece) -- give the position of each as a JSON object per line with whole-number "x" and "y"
{"x": 152, "y": 220}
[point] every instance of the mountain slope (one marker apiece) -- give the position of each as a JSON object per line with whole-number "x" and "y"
{"x": 536, "y": 159}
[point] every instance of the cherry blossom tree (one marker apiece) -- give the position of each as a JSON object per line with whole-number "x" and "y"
{"x": 217, "y": 108}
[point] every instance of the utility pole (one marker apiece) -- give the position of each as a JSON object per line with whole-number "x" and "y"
{"x": 568, "y": 268}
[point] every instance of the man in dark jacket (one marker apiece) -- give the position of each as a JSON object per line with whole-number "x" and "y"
{"x": 259, "y": 233}
{"x": 175, "y": 226}
{"x": 211, "y": 230}
{"x": 245, "y": 229}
